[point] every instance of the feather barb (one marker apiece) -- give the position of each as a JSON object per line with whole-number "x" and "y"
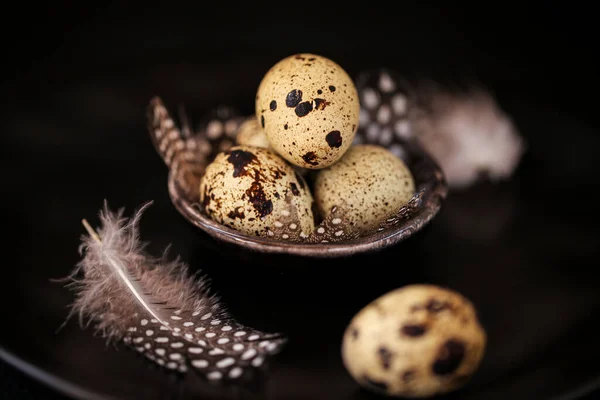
{"x": 156, "y": 307}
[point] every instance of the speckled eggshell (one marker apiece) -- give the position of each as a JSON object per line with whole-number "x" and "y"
{"x": 245, "y": 189}
{"x": 369, "y": 181}
{"x": 309, "y": 108}
{"x": 416, "y": 341}
{"x": 251, "y": 134}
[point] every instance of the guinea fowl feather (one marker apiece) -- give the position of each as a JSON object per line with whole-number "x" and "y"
{"x": 157, "y": 307}
{"x": 465, "y": 131}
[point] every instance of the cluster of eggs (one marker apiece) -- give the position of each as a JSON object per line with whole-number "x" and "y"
{"x": 298, "y": 154}
{"x": 298, "y": 149}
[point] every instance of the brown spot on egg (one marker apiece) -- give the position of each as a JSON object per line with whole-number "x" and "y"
{"x": 385, "y": 357}
{"x": 379, "y": 385}
{"x": 354, "y": 333}
{"x": 206, "y": 199}
{"x": 273, "y": 105}
{"x": 293, "y": 98}
{"x": 240, "y": 160}
{"x": 319, "y": 91}
{"x": 258, "y": 199}
{"x": 294, "y": 188}
{"x": 277, "y": 173}
{"x": 299, "y": 179}
{"x": 303, "y": 108}
{"x": 320, "y": 104}
{"x": 436, "y": 306}
{"x": 378, "y": 307}
{"x": 334, "y": 139}
{"x": 408, "y": 375}
{"x": 414, "y": 330}
{"x": 449, "y": 357}
{"x": 262, "y": 121}
{"x": 310, "y": 157}
{"x": 285, "y": 127}
{"x": 332, "y": 88}
{"x": 237, "y": 213}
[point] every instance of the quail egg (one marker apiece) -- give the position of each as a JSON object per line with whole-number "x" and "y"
{"x": 416, "y": 341}
{"x": 309, "y": 109}
{"x": 369, "y": 181}
{"x": 248, "y": 188}
{"x": 251, "y": 134}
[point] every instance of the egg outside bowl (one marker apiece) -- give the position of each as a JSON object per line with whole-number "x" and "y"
{"x": 187, "y": 154}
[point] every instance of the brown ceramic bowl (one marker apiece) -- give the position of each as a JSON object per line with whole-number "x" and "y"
{"x": 186, "y": 154}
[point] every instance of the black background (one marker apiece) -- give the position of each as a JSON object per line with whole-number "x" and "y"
{"x": 80, "y": 66}
{"x": 72, "y": 62}
{"x": 545, "y": 52}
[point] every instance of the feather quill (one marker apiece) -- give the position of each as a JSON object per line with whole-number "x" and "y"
{"x": 156, "y": 307}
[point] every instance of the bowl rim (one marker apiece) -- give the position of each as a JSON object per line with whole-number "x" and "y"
{"x": 432, "y": 193}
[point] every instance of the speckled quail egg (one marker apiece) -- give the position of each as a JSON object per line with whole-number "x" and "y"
{"x": 369, "y": 181}
{"x": 415, "y": 341}
{"x": 246, "y": 188}
{"x": 309, "y": 109}
{"x": 251, "y": 134}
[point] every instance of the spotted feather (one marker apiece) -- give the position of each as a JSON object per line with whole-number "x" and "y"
{"x": 156, "y": 307}
{"x": 386, "y": 101}
{"x": 186, "y": 156}
{"x": 462, "y": 127}
{"x": 334, "y": 228}
{"x": 404, "y": 213}
{"x": 287, "y": 226}
{"x": 219, "y": 128}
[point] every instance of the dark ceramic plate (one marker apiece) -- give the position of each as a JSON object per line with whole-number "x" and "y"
{"x": 524, "y": 251}
{"x": 527, "y": 266}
